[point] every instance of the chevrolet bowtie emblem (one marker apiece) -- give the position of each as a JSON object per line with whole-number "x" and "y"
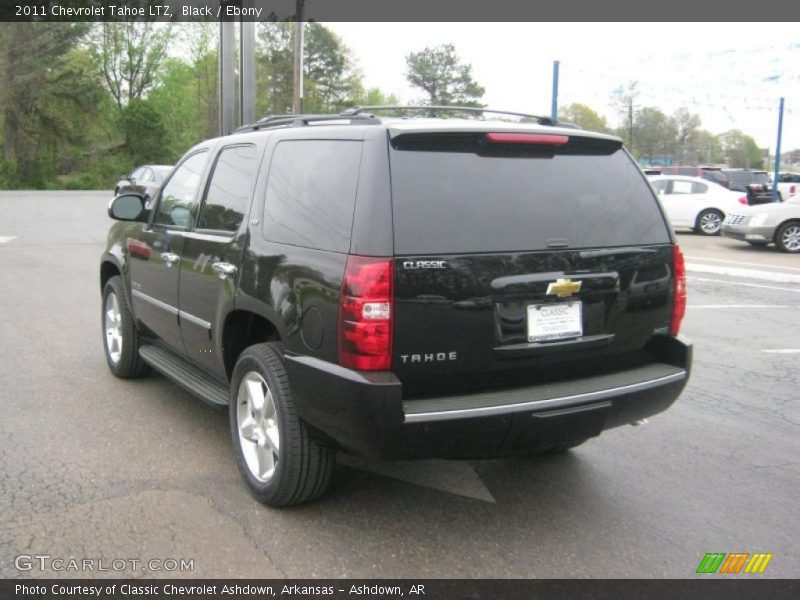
{"x": 563, "y": 288}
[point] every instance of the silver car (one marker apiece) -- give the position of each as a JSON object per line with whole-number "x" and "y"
{"x": 764, "y": 224}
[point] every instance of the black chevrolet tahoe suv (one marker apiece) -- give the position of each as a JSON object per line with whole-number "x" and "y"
{"x": 400, "y": 288}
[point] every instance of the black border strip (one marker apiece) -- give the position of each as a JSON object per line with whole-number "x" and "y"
{"x": 412, "y": 10}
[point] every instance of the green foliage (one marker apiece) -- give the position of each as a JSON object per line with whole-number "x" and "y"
{"x": 182, "y": 125}
{"x": 584, "y": 117}
{"x": 330, "y": 80}
{"x": 129, "y": 55}
{"x": 440, "y": 74}
{"x": 49, "y": 85}
{"x": 145, "y": 132}
{"x": 741, "y": 151}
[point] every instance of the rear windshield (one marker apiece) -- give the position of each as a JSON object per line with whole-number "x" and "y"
{"x": 451, "y": 199}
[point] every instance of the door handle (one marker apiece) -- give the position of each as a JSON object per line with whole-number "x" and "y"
{"x": 169, "y": 258}
{"x": 224, "y": 269}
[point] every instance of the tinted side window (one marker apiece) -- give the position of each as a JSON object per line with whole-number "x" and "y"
{"x": 311, "y": 193}
{"x": 230, "y": 189}
{"x": 178, "y": 194}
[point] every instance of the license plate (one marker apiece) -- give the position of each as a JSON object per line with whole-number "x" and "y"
{"x": 547, "y": 322}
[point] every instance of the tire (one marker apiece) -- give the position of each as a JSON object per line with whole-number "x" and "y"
{"x": 280, "y": 461}
{"x": 787, "y": 237}
{"x": 120, "y": 337}
{"x": 757, "y": 244}
{"x": 709, "y": 222}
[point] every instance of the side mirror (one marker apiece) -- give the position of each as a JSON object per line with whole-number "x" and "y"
{"x": 128, "y": 207}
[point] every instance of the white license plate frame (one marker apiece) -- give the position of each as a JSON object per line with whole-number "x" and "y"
{"x": 555, "y": 321}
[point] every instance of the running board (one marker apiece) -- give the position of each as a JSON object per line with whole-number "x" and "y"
{"x": 186, "y": 375}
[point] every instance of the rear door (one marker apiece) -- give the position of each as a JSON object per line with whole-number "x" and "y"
{"x": 518, "y": 263}
{"x": 212, "y": 253}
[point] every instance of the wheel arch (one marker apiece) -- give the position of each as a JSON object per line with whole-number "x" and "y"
{"x": 108, "y": 269}
{"x": 241, "y": 329}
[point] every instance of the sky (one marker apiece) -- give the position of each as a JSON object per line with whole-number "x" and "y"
{"x": 731, "y": 74}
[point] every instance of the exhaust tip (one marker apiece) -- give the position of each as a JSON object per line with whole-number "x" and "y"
{"x": 639, "y": 422}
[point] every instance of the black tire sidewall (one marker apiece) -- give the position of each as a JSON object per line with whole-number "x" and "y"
{"x": 129, "y": 364}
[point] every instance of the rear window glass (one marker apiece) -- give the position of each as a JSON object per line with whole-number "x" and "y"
{"x": 311, "y": 193}
{"x": 461, "y": 202}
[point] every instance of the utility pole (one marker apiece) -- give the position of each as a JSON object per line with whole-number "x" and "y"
{"x": 777, "y": 175}
{"x": 554, "y": 106}
{"x": 630, "y": 124}
{"x": 297, "y": 98}
{"x": 227, "y": 88}
{"x": 247, "y": 67}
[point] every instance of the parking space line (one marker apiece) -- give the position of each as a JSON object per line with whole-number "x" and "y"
{"x": 744, "y": 273}
{"x": 7, "y": 238}
{"x": 740, "y": 284}
{"x": 738, "y": 262}
{"x": 740, "y": 306}
{"x": 783, "y": 351}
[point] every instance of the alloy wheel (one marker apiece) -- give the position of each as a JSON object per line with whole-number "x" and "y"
{"x": 259, "y": 432}
{"x": 112, "y": 322}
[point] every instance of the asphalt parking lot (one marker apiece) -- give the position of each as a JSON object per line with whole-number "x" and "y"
{"x": 93, "y": 467}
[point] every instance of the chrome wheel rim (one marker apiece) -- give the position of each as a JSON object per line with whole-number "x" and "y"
{"x": 259, "y": 433}
{"x": 112, "y": 322}
{"x": 710, "y": 222}
{"x": 791, "y": 238}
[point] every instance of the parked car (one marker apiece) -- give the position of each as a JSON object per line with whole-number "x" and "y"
{"x": 777, "y": 223}
{"x": 400, "y": 288}
{"x": 714, "y": 174}
{"x": 788, "y": 184}
{"x": 144, "y": 180}
{"x": 756, "y": 184}
{"x": 696, "y": 203}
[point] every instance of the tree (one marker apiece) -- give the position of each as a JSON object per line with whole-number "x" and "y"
{"x": 653, "y": 133}
{"x": 623, "y": 98}
{"x": 179, "y": 116}
{"x": 331, "y": 81}
{"x": 440, "y": 74}
{"x": 702, "y": 148}
{"x": 584, "y": 117}
{"x": 686, "y": 126}
{"x": 48, "y": 85}
{"x": 130, "y": 54}
{"x": 201, "y": 39}
{"x": 741, "y": 151}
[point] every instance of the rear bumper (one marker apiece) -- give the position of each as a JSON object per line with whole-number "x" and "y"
{"x": 365, "y": 413}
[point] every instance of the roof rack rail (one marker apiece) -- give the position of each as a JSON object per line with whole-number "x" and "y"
{"x": 356, "y": 110}
{"x": 293, "y": 120}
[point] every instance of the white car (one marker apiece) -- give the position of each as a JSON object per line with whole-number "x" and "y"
{"x": 696, "y": 203}
{"x": 789, "y": 184}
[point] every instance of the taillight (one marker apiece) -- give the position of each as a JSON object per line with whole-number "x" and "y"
{"x": 546, "y": 139}
{"x": 792, "y": 189}
{"x": 743, "y": 200}
{"x": 679, "y": 300}
{"x": 365, "y": 314}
